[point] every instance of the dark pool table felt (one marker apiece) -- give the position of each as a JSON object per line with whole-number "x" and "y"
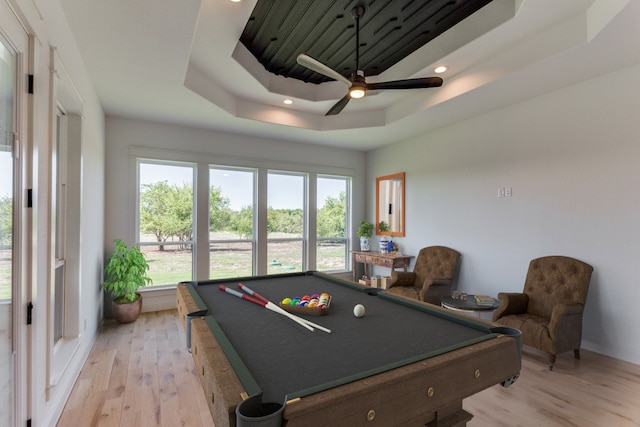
{"x": 287, "y": 360}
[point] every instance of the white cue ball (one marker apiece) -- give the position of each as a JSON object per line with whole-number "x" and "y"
{"x": 358, "y": 310}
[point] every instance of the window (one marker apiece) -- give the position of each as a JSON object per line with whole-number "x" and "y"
{"x": 231, "y": 222}
{"x": 59, "y": 185}
{"x": 198, "y": 219}
{"x": 63, "y": 293}
{"x": 165, "y": 220}
{"x": 8, "y": 176}
{"x": 285, "y": 222}
{"x": 6, "y": 221}
{"x": 331, "y": 223}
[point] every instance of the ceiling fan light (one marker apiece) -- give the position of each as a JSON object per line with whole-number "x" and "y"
{"x": 356, "y": 92}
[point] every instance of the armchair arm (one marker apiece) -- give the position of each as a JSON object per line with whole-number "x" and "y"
{"x": 401, "y": 279}
{"x": 566, "y": 318}
{"x": 511, "y": 303}
{"x": 430, "y": 283}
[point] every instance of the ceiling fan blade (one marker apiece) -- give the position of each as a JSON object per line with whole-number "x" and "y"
{"x": 337, "y": 108}
{"x": 319, "y": 67}
{"x": 419, "y": 83}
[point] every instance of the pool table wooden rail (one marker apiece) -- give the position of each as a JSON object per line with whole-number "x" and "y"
{"x": 185, "y": 304}
{"x": 222, "y": 388}
{"x": 428, "y": 392}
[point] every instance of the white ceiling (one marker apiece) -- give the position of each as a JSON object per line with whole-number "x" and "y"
{"x": 181, "y": 62}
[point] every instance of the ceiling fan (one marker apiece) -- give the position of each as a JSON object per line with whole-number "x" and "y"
{"x": 357, "y": 83}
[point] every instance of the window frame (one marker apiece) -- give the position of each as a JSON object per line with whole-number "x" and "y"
{"x": 347, "y": 231}
{"x": 253, "y": 240}
{"x": 206, "y": 160}
{"x": 304, "y": 238}
{"x": 193, "y": 241}
{"x": 63, "y": 103}
{"x": 59, "y": 178}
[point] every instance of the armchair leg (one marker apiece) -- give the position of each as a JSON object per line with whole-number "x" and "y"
{"x": 576, "y": 353}
{"x": 552, "y": 360}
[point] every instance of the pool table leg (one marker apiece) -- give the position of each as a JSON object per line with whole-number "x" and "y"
{"x": 457, "y": 418}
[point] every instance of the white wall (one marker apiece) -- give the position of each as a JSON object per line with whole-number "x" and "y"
{"x": 572, "y": 159}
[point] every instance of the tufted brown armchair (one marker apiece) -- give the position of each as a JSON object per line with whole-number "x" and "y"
{"x": 549, "y": 310}
{"x": 435, "y": 269}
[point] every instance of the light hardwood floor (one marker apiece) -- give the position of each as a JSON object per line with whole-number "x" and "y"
{"x": 138, "y": 375}
{"x": 142, "y": 375}
{"x": 595, "y": 391}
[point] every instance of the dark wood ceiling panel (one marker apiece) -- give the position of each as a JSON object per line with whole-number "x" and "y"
{"x": 390, "y": 30}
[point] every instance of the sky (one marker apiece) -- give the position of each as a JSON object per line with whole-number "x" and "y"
{"x": 284, "y": 190}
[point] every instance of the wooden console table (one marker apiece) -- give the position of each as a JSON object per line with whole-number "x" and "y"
{"x": 376, "y": 258}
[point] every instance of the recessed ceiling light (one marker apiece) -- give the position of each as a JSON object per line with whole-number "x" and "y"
{"x": 440, "y": 69}
{"x": 236, "y": 1}
{"x": 288, "y": 101}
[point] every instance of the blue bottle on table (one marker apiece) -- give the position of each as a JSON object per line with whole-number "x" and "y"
{"x": 390, "y": 246}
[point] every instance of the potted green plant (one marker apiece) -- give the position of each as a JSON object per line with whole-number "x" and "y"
{"x": 126, "y": 271}
{"x": 365, "y": 231}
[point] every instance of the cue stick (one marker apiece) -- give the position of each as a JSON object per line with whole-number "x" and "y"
{"x": 299, "y": 321}
{"x": 280, "y": 309}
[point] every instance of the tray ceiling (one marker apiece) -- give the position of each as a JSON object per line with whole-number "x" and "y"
{"x": 182, "y": 63}
{"x": 277, "y": 31}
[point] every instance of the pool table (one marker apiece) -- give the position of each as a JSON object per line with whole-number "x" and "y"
{"x": 403, "y": 363}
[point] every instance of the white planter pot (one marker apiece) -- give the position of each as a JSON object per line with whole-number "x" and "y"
{"x": 365, "y": 244}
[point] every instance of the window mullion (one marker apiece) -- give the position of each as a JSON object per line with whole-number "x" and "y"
{"x": 261, "y": 222}
{"x": 201, "y": 223}
{"x": 312, "y": 217}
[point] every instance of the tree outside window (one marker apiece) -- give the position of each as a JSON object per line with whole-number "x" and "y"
{"x": 165, "y": 225}
{"x": 332, "y": 234}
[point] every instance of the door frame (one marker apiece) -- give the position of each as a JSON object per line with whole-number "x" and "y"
{"x": 16, "y": 36}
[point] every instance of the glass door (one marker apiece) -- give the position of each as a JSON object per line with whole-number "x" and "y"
{"x": 7, "y": 208}
{"x": 14, "y": 357}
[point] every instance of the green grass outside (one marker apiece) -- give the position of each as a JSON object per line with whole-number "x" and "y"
{"x": 330, "y": 257}
{"x": 234, "y": 260}
{"x": 227, "y": 260}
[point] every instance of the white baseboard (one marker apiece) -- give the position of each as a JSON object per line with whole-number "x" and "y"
{"x": 158, "y": 299}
